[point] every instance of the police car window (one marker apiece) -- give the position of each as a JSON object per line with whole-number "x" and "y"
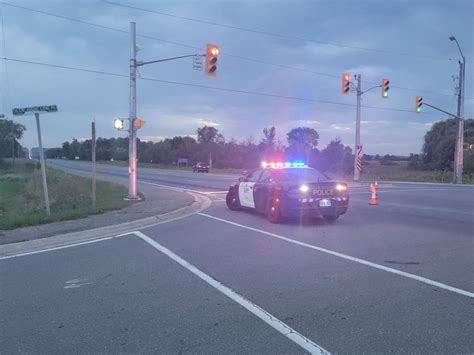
{"x": 300, "y": 175}
{"x": 254, "y": 175}
{"x": 266, "y": 176}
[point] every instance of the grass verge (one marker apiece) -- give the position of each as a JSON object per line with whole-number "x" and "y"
{"x": 22, "y": 203}
{"x": 374, "y": 171}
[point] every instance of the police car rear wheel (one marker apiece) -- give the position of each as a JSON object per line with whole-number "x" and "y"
{"x": 232, "y": 201}
{"x": 273, "y": 212}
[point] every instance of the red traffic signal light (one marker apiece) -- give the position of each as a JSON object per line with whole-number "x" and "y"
{"x": 385, "y": 88}
{"x": 419, "y": 103}
{"x": 212, "y": 52}
{"x": 346, "y": 83}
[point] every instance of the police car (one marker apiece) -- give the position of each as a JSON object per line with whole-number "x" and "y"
{"x": 289, "y": 189}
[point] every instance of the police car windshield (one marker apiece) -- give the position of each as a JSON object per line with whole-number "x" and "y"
{"x": 299, "y": 175}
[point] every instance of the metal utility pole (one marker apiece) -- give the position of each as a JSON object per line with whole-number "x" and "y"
{"x": 93, "y": 143}
{"x": 358, "y": 148}
{"x": 132, "y": 137}
{"x": 43, "y": 167}
{"x": 458, "y": 154}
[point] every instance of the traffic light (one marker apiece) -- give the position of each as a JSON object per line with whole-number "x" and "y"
{"x": 118, "y": 123}
{"x": 138, "y": 123}
{"x": 212, "y": 52}
{"x": 346, "y": 83}
{"x": 385, "y": 88}
{"x": 419, "y": 103}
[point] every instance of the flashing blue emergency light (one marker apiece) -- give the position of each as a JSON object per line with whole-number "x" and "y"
{"x": 287, "y": 164}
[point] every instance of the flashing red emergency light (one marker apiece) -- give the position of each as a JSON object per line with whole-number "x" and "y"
{"x": 280, "y": 164}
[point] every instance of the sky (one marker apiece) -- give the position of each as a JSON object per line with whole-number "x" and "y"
{"x": 312, "y": 43}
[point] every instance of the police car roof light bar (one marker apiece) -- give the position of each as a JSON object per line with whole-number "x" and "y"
{"x": 280, "y": 164}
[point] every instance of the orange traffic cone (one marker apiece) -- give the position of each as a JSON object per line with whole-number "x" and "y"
{"x": 373, "y": 194}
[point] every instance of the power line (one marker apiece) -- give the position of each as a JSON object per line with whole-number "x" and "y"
{"x": 277, "y": 35}
{"x": 204, "y": 86}
{"x": 222, "y": 53}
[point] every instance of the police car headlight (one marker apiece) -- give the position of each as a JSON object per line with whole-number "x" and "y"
{"x": 304, "y": 188}
{"x": 341, "y": 188}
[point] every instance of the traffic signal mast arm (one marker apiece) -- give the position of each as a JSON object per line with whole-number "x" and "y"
{"x": 438, "y": 109}
{"x": 168, "y": 59}
{"x": 373, "y": 87}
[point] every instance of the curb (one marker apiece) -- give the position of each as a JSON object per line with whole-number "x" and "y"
{"x": 200, "y": 203}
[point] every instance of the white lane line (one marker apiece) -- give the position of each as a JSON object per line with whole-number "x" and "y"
{"x": 60, "y": 247}
{"x": 348, "y": 257}
{"x": 271, "y": 320}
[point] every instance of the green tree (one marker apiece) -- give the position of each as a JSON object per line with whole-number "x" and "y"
{"x": 54, "y": 153}
{"x": 207, "y": 134}
{"x": 10, "y": 133}
{"x": 439, "y": 143}
{"x": 268, "y": 141}
{"x": 301, "y": 141}
{"x": 337, "y": 158}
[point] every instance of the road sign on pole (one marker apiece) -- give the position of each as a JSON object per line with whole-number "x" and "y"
{"x": 36, "y": 110}
{"x": 43, "y": 167}
{"x": 359, "y": 158}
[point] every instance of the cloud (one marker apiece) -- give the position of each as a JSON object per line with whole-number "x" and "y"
{"x": 338, "y": 127}
{"x": 305, "y": 123}
{"x": 204, "y": 122}
{"x": 376, "y": 122}
{"x": 152, "y": 138}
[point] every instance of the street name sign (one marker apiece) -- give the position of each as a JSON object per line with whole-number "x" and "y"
{"x": 34, "y": 109}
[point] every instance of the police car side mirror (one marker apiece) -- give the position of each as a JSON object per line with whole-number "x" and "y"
{"x": 242, "y": 179}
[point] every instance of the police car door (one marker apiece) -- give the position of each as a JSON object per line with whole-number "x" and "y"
{"x": 246, "y": 196}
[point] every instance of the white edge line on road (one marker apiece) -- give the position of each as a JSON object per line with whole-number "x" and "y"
{"x": 271, "y": 320}
{"x": 348, "y": 257}
{"x": 60, "y": 247}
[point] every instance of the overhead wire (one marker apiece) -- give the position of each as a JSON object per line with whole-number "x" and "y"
{"x": 272, "y": 34}
{"x": 200, "y": 48}
{"x": 257, "y": 93}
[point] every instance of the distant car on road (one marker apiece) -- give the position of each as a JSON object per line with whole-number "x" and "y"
{"x": 289, "y": 189}
{"x": 201, "y": 168}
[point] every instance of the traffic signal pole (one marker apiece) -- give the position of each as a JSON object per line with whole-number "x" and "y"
{"x": 345, "y": 90}
{"x": 357, "y": 133}
{"x": 132, "y": 130}
{"x": 132, "y": 136}
{"x": 458, "y": 154}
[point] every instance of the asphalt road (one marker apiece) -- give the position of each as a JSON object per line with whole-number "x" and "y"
{"x": 396, "y": 277}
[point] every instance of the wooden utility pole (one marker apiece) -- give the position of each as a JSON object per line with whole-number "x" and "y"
{"x": 93, "y": 143}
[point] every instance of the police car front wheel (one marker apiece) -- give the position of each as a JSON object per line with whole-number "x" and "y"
{"x": 232, "y": 201}
{"x": 273, "y": 211}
